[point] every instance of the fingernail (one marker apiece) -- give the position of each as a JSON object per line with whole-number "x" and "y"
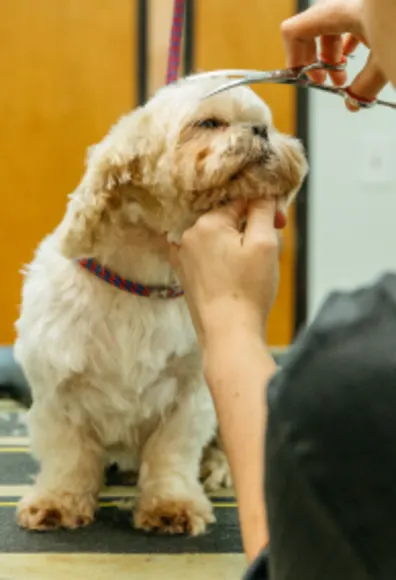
{"x": 280, "y": 220}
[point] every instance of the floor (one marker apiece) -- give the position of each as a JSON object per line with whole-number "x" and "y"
{"x": 111, "y": 547}
{"x": 122, "y": 567}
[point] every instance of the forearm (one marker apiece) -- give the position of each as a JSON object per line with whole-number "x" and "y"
{"x": 237, "y": 369}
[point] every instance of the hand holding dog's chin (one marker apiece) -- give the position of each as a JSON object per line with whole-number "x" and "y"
{"x": 229, "y": 277}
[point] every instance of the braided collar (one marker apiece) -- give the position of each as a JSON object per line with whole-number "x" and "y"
{"x": 132, "y": 287}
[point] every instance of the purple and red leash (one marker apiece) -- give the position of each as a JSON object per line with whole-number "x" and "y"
{"x": 175, "y": 41}
{"x": 117, "y": 281}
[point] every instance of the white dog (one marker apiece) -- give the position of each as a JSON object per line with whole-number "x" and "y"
{"x": 117, "y": 374}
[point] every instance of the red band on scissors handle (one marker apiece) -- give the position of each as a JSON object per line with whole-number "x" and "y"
{"x": 342, "y": 61}
{"x": 358, "y": 98}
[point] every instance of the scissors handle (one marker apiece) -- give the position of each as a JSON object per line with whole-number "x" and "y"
{"x": 358, "y": 100}
{"x": 326, "y": 65}
{"x": 345, "y": 92}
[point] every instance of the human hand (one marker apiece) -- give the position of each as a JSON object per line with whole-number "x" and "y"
{"x": 230, "y": 276}
{"x": 339, "y": 26}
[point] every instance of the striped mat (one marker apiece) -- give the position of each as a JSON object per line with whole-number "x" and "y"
{"x": 110, "y": 547}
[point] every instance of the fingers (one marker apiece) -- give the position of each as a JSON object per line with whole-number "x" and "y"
{"x": 325, "y": 20}
{"x": 295, "y": 46}
{"x": 226, "y": 217}
{"x": 209, "y": 224}
{"x": 332, "y": 52}
{"x": 316, "y": 76}
{"x": 322, "y": 19}
{"x": 367, "y": 84}
{"x": 350, "y": 44}
{"x": 261, "y": 217}
{"x": 232, "y": 212}
{"x": 260, "y": 222}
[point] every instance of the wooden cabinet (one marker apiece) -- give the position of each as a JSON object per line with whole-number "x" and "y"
{"x": 69, "y": 69}
{"x": 67, "y": 73}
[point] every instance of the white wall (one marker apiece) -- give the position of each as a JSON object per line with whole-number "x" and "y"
{"x": 352, "y": 207}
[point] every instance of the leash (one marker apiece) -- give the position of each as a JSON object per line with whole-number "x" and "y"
{"x": 175, "y": 41}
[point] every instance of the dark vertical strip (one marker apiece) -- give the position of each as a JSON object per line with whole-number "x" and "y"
{"x": 302, "y": 208}
{"x": 142, "y": 47}
{"x": 188, "y": 62}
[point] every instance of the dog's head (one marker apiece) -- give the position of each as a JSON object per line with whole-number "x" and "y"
{"x": 166, "y": 163}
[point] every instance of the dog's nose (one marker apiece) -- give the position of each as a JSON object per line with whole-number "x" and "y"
{"x": 260, "y": 131}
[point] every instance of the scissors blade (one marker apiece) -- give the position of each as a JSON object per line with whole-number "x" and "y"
{"x": 227, "y": 72}
{"x": 280, "y": 76}
{"x": 228, "y": 86}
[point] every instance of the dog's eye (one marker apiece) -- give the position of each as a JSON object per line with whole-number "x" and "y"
{"x": 210, "y": 124}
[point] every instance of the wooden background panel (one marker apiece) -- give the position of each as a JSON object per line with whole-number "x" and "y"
{"x": 68, "y": 72}
{"x": 235, "y": 34}
{"x": 159, "y": 29}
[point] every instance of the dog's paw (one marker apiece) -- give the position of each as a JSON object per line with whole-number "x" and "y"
{"x": 40, "y": 511}
{"x": 173, "y": 516}
{"x": 215, "y": 471}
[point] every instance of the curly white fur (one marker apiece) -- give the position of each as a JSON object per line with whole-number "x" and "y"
{"x": 118, "y": 375}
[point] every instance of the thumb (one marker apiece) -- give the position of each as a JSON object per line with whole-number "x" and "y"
{"x": 260, "y": 221}
{"x": 367, "y": 84}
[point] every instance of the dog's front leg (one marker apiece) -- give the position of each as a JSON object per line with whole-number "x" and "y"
{"x": 172, "y": 499}
{"x": 71, "y": 473}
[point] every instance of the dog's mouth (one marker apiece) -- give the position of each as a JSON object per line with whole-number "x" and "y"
{"x": 249, "y": 179}
{"x": 243, "y": 171}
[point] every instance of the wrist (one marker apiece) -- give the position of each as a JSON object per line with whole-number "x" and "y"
{"x": 228, "y": 347}
{"x": 231, "y": 317}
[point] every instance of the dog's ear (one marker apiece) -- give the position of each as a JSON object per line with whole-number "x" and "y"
{"x": 111, "y": 166}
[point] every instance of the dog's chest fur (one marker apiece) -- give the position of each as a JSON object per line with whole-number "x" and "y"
{"x": 119, "y": 359}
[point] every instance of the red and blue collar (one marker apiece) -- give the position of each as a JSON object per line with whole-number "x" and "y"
{"x": 132, "y": 287}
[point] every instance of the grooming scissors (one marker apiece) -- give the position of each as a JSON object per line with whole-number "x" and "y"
{"x": 296, "y": 76}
